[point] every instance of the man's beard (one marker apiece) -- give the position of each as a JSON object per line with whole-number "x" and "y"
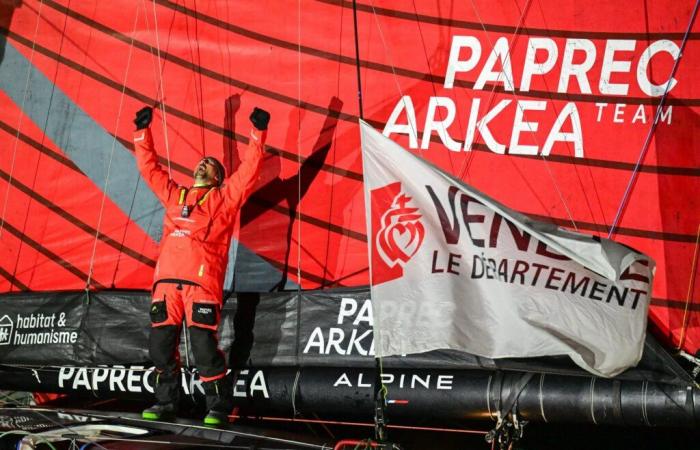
{"x": 200, "y": 172}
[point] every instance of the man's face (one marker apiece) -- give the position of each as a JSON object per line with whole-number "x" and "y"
{"x": 205, "y": 172}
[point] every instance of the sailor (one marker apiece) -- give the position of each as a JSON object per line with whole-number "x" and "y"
{"x": 189, "y": 274}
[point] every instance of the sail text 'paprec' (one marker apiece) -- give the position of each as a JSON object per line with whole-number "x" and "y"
{"x": 578, "y": 64}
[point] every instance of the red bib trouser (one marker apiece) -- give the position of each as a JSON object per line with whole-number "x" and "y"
{"x": 189, "y": 275}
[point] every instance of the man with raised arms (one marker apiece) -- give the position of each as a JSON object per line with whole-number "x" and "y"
{"x": 188, "y": 280}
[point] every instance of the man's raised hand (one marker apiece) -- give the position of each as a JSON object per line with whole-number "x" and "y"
{"x": 143, "y": 119}
{"x": 260, "y": 118}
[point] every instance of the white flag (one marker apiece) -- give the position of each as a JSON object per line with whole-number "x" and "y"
{"x": 453, "y": 269}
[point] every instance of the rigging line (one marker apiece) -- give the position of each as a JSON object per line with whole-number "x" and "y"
{"x": 150, "y": 442}
{"x": 199, "y": 75}
{"x": 126, "y": 229}
{"x": 380, "y": 389}
{"x": 559, "y": 193}
{"x": 335, "y": 58}
{"x": 53, "y": 368}
{"x": 193, "y": 80}
{"x": 299, "y": 161}
{"x": 652, "y": 128}
{"x": 21, "y": 115}
{"x": 357, "y": 424}
{"x": 228, "y": 50}
{"x": 652, "y": 168}
{"x": 357, "y": 59}
{"x": 411, "y": 124}
{"x": 36, "y": 172}
{"x": 160, "y": 95}
{"x": 432, "y": 83}
{"x": 382, "y": 392}
{"x": 188, "y": 368}
{"x": 9, "y": 400}
{"x": 154, "y": 68}
{"x": 138, "y": 181}
{"x": 220, "y": 52}
{"x": 576, "y": 161}
{"x": 691, "y": 286}
{"x": 111, "y": 154}
{"x": 463, "y": 172}
{"x": 70, "y": 428}
{"x": 529, "y": 125}
{"x": 172, "y": 443}
{"x": 469, "y": 160}
{"x": 460, "y": 25}
{"x": 298, "y": 205}
{"x": 126, "y": 420}
{"x": 298, "y": 214}
{"x": 28, "y": 434}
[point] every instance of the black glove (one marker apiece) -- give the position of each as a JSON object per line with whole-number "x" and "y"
{"x": 260, "y": 118}
{"x": 143, "y": 119}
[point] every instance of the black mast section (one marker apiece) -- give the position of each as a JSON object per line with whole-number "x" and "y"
{"x": 357, "y": 59}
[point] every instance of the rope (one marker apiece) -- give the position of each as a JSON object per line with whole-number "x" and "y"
{"x": 21, "y": 117}
{"x": 186, "y": 334}
{"x": 161, "y": 88}
{"x": 383, "y": 391}
{"x": 652, "y": 128}
{"x": 512, "y": 83}
{"x": 540, "y": 397}
{"x": 493, "y": 89}
{"x": 138, "y": 181}
{"x": 197, "y": 74}
{"x": 691, "y": 285}
{"x": 170, "y": 443}
{"x": 357, "y": 59}
{"x": 7, "y": 399}
{"x": 488, "y": 396}
{"x": 295, "y": 388}
{"x": 111, "y": 155}
{"x": 645, "y": 389}
{"x": 50, "y": 367}
{"x": 299, "y": 159}
{"x": 297, "y": 217}
{"x": 126, "y": 229}
{"x": 592, "y": 400}
{"x": 432, "y": 83}
{"x": 66, "y": 427}
{"x": 81, "y": 436}
{"x": 30, "y": 435}
{"x": 411, "y": 123}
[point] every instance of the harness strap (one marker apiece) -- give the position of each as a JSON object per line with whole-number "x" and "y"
{"x": 204, "y": 197}
{"x": 183, "y": 196}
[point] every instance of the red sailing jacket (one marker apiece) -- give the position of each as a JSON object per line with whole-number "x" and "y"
{"x": 195, "y": 248}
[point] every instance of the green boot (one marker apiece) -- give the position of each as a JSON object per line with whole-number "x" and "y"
{"x": 159, "y": 411}
{"x": 219, "y": 401}
{"x": 216, "y": 418}
{"x": 167, "y": 392}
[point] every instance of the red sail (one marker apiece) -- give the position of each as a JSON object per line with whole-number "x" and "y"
{"x": 546, "y": 106}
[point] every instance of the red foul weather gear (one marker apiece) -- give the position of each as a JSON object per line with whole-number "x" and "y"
{"x": 195, "y": 248}
{"x": 173, "y": 302}
{"x": 189, "y": 274}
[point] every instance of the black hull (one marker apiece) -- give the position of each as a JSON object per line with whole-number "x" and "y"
{"x": 311, "y": 355}
{"x": 415, "y": 396}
